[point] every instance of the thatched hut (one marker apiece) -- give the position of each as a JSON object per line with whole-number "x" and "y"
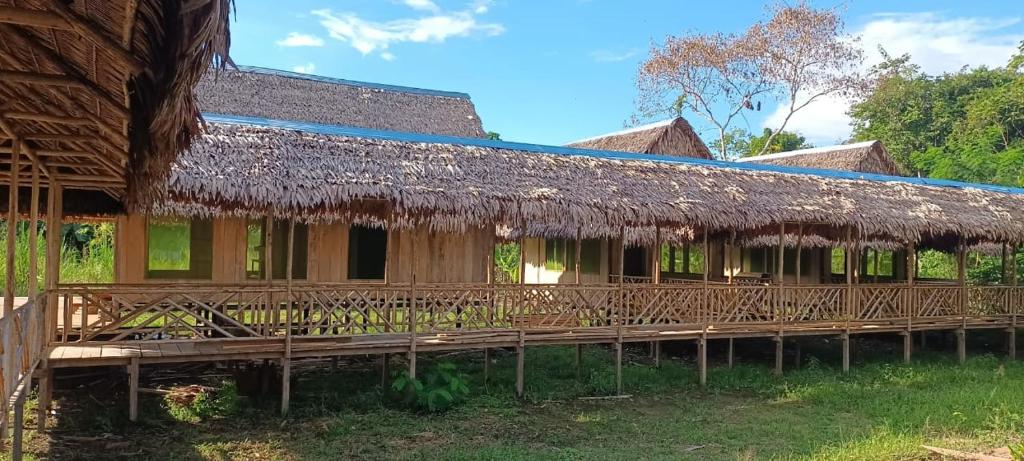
{"x": 99, "y": 95}
{"x": 864, "y": 157}
{"x": 668, "y": 137}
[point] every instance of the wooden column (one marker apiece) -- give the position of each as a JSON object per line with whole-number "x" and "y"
{"x": 1014, "y": 306}
{"x": 702, "y": 342}
{"x": 490, "y": 303}
{"x": 623, "y": 313}
{"x": 961, "y": 278}
{"x": 12, "y": 225}
{"x": 286, "y": 361}
{"x": 411, "y": 310}
{"x": 799, "y": 251}
{"x": 732, "y": 244}
{"x": 656, "y": 276}
{"x": 385, "y": 358}
{"x": 521, "y": 345}
{"x": 579, "y": 247}
{"x": 780, "y": 303}
{"x": 54, "y": 216}
{"x": 732, "y": 353}
{"x": 133, "y": 389}
{"x": 911, "y": 303}
{"x": 274, "y": 320}
{"x": 33, "y": 236}
{"x": 850, "y": 298}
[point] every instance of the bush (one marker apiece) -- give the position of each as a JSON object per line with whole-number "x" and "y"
{"x": 193, "y": 404}
{"x": 444, "y": 388}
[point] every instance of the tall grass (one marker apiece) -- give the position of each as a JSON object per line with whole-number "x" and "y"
{"x": 93, "y": 263}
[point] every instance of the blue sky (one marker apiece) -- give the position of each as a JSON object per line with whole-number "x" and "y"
{"x": 560, "y": 70}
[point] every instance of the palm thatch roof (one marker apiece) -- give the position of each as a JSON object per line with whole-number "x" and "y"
{"x": 248, "y": 166}
{"x": 865, "y": 157}
{"x": 282, "y": 95}
{"x": 100, "y": 93}
{"x": 670, "y": 137}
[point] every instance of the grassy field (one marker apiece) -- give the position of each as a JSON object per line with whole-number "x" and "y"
{"x": 881, "y": 410}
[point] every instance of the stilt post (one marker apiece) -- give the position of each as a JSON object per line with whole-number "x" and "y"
{"x": 286, "y": 361}
{"x": 133, "y": 389}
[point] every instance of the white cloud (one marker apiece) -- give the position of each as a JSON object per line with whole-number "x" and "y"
{"x": 481, "y": 6}
{"x": 298, "y": 39}
{"x": 426, "y": 5}
{"x": 613, "y": 56}
{"x": 936, "y": 43}
{"x": 370, "y": 36}
{"x": 307, "y": 68}
{"x": 387, "y": 56}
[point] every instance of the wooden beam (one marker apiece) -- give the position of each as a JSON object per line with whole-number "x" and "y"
{"x": 32, "y": 18}
{"x": 36, "y": 78}
{"x": 58, "y": 137}
{"x": 90, "y": 32}
{"x": 50, "y": 118}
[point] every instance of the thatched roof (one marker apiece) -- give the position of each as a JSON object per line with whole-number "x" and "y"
{"x": 101, "y": 91}
{"x": 865, "y": 157}
{"x": 313, "y": 172}
{"x": 282, "y": 95}
{"x": 669, "y": 137}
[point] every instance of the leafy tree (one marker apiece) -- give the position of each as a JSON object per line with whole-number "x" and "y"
{"x": 796, "y": 56}
{"x": 739, "y": 143}
{"x": 494, "y": 136}
{"x": 770, "y": 142}
{"x": 967, "y": 125}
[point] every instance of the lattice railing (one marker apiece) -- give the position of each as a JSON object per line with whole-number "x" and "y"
{"x": 815, "y": 303}
{"x": 879, "y": 302}
{"x": 22, "y": 337}
{"x": 742, "y": 304}
{"x": 206, "y": 311}
{"x": 671, "y": 304}
{"x": 937, "y": 301}
{"x": 116, "y": 313}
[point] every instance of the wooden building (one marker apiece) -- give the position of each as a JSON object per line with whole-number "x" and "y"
{"x": 291, "y": 229}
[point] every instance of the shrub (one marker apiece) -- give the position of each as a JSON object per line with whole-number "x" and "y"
{"x": 443, "y": 388}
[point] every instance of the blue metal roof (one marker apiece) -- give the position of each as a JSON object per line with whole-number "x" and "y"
{"x": 337, "y": 130}
{"x": 340, "y": 81}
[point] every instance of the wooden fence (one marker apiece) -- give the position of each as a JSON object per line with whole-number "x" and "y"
{"x": 22, "y": 341}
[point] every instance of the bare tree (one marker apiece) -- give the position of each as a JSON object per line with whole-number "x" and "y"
{"x": 795, "y": 57}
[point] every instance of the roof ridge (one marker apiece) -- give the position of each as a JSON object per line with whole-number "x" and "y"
{"x": 355, "y": 83}
{"x": 635, "y": 129}
{"x": 338, "y": 130}
{"x": 808, "y": 151}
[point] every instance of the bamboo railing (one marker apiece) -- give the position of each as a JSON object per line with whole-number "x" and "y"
{"x": 22, "y": 342}
{"x": 112, "y": 313}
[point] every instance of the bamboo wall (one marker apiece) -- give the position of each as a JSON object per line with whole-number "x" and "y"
{"x": 439, "y": 257}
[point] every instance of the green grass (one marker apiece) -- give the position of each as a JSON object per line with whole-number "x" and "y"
{"x": 95, "y": 264}
{"x": 881, "y": 410}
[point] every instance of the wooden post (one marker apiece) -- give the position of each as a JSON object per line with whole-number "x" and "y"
{"x": 385, "y": 358}
{"x": 732, "y": 269}
{"x": 850, "y": 298}
{"x": 579, "y": 361}
{"x": 133, "y": 389}
{"x": 579, "y": 247}
{"x": 657, "y": 354}
{"x": 623, "y": 312}
{"x": 12, "y": 225}
{"x": 286, "y": 361}
{"x": 45, "y": 395}
{"x": 702, "y": 358}
{"x": 54, "y": 212}
{"x": 656, "y": 276}
{"x": 33, "y": 236}
{"x": 732, "y": 353}
{"x": 780, "y": 304}
{"x": 911, "y": 304}
{"x": 1014, "y": 306}
{"x": 799, "y": 250}
{"x": 845, "y": 338}
{"x": 273, "y": 320}
{"x": 490, "y": 305}
{"x": 412, "y": 305}
{"x": 961, "y": 271}
{"x": 521, "y": 364}
{"x": 19, "y": 428}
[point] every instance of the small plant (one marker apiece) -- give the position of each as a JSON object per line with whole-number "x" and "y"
{"x": 1017, "y": 451}
{"x": 443, "y": 388}
{"x": 193, "y": 404}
